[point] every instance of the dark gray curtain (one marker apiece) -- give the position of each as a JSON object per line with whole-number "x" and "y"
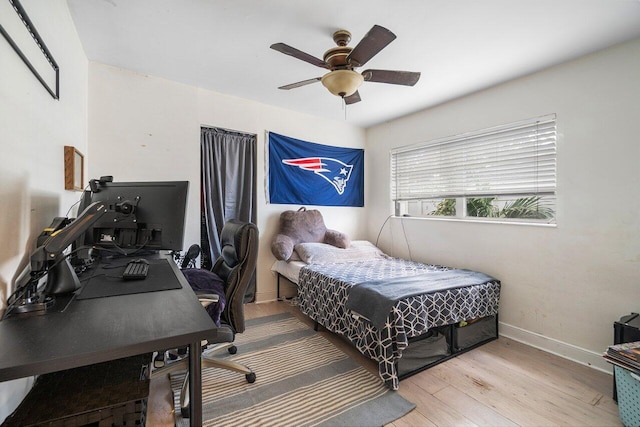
{"x": 228, "y": 173}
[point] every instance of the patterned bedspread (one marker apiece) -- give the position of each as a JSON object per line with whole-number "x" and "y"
{"x": 323, "y": 291}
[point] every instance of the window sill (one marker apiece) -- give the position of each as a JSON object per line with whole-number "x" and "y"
{"x": 481, "y": 221}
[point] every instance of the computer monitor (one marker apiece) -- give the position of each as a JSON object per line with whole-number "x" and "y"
{"x": 141, "y": 215}
{"x": 125, "y": 217}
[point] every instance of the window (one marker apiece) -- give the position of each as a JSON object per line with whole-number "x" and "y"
{"x": 507, "y": 172}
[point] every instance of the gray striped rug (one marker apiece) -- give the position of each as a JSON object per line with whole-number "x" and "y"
{"x": 302, "y": 380}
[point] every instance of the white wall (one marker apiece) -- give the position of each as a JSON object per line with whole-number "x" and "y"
{"x": 562, "y": 287}
{"x": 34, "y": 128}
{"x": 147, "y": 128}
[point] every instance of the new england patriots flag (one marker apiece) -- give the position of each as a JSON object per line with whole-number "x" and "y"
{"x": 305, "y": 173}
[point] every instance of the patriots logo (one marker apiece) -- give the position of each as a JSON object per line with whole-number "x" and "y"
{"x": 334, "y": 171}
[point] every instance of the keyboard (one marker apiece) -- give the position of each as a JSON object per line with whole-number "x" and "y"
{"x": 135, "y": 270}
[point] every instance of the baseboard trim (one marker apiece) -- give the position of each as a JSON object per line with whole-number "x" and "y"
{"x": 550, "y": 345}
{"x": 553, "y": 346}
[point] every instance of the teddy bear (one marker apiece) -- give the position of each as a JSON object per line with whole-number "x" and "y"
{"x": 304, "y": 226}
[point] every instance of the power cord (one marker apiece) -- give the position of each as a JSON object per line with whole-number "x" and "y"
{"x": 79, "y": 200}
{"x": 404, "y": 232}
{"x": 122, "y": 251}
{"x": 405, "y": 238}
{"x": 381, "y": 228}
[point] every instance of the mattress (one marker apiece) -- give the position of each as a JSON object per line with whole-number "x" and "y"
{"x": 288, "y": 269}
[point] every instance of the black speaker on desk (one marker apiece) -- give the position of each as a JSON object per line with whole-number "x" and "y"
{"x": 627, "y": 329}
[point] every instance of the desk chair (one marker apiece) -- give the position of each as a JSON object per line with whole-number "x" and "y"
{"x": 235, "y": 266}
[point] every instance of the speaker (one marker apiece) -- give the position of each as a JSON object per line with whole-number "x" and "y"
{"x": 627, "y": 329}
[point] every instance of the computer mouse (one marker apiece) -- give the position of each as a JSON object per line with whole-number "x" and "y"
{"x": 140, "y": 261}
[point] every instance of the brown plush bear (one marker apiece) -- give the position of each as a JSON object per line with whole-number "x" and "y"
{"x": 304, "y": 226}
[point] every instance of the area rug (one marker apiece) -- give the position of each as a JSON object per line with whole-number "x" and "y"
{"x": 302, "y": 380}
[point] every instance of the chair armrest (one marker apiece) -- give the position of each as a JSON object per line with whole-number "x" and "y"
{"x": 206, "y": 299}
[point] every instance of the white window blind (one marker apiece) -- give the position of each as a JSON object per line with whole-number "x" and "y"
{"x": 514, "y": 159}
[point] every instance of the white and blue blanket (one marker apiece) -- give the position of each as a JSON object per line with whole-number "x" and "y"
{"x": 374, "y": 299}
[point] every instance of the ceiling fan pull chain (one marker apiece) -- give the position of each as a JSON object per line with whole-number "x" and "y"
{"x": 344, "y": 108}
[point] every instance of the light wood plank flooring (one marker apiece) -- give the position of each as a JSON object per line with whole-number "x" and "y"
{"x": 502, "y": 383}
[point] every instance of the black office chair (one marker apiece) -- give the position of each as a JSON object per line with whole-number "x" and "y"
{"x": 236, "y": 266}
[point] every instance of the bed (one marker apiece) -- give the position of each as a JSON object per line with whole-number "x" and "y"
{"x": 408, "y": 332}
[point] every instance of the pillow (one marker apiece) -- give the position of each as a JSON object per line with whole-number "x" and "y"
{"x": 322, "y": 253}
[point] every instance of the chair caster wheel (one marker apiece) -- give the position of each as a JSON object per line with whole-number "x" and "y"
{"x": 251, "y": 377}
{"x": 158, "y": 361}
{"x": 233, "y": 349}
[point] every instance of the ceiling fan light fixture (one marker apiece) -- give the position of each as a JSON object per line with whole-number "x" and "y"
{"x": 342, "y": 82}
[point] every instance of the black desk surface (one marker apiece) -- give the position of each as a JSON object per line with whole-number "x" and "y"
{"x": 101, "y": 329}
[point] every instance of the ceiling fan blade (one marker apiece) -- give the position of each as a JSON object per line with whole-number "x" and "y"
{"x": 298, "y": 84}
{"x": 373, "y": 42}
{"x": 292, "y": 51}
{"x": 407, "y": 78}
{"x": 352, "y": 99}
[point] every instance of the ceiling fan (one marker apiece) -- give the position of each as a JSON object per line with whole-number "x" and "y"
{"x": 342, "y": 80}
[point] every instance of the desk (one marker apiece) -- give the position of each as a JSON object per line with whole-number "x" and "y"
{"x": 102, "y": 329}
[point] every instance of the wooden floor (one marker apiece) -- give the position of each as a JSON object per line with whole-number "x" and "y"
{"x": 502, "y": 383}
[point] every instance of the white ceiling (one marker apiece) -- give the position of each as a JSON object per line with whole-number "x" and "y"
{"x": 459, "y": 46}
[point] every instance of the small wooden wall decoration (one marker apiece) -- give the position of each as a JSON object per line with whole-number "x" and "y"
{"x": 73, "y": 169}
